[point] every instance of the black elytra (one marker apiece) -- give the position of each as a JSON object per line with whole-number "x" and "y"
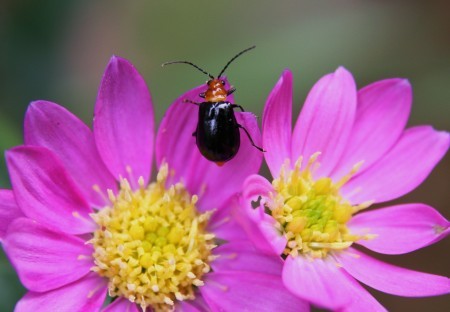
{"x": 217, "y": 134}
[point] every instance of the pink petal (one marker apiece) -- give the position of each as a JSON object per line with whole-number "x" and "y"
{"x": 242, "y": 256}
{"x": 402, "y": 169}
{"x": 123, "y": 123}
{"x": 9, "y": 211}
{"x": 326, "y": 120}
{"x": 45, "y": 192}
{"x": 175, "y": 134}
{"x": 244, "y": 291}
{"x": 44, "y": 259}
{"x": 198, "y": 304}
{"x": 87, "y": 295}
{"x": 185, "y": 306}
{"x": 362, "y": 300}
{"x": 400, "y": 229}
{"x": 223, "y": 225}
{"x": 52, "y": 126}
{"x": 391, "y": 279}
{"x": 381, "y": 115}
{"x": 277, "y": 123}
{"x": 321, "y": 282}
{"x": 122, "y": 305}
{"x": 211, "y": 182}
{"x": 258, "y": 225}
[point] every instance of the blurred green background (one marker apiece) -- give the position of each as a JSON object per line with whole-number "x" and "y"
{"x": 58, "y": 50}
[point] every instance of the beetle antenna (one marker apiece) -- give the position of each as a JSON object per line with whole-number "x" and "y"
{"x": 189, "y": 63}
{"x": 235, "y": 57}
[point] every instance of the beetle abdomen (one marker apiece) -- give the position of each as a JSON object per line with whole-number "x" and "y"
{"x": 217, "y": 134}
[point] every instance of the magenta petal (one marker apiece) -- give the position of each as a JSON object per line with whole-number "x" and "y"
{"x": 362, "y": 300}
{"x": 52, "y": 126}
{"x": 45, "y": 192}
{"x": 223, "y": 225}
{"x": 196, "y": 305}
{"x": 87, "y": 295}
{"x": 277, "y": 123}
{"x": 121, "y": 305}
{"x": 245, "y": 291}
{"x": 185, "y": 306}
{"x": 175, "y": 134}
{"x": 400, "y": 229}
{"x": 326, "y": 120}
{"x": 319, "y": 281}
{"x": 392, "y": 279}
{"x": 402, "y": 169}
{"x": 176, "y": 145}
{"x": 44, "y": 259}
{"x": 242, "y": 256}
{"x": 123, "y": 123}
{"x": 9, "y": 211}
{"x": 381, "y": 115}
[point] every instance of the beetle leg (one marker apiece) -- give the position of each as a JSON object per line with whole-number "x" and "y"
{"x": 231, "y": 90}
{"x": 194, "y": 133}
{"x": 250, "y": 138}
{"x": 236, "y": 105}
{"x": 189, "y": 101}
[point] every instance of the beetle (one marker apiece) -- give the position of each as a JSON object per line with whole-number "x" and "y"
{"x": 217, "y": 133}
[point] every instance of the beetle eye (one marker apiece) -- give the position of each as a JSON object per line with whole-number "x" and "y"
{"x": 223, "y": 82}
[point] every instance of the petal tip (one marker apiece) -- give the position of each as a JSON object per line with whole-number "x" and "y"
{"x": 342, "y": 70}
{"x": 286, "y": 73}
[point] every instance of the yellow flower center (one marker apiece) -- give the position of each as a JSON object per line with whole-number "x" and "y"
{"x": 151, "y": 243}
{"x": 310, "y": 213}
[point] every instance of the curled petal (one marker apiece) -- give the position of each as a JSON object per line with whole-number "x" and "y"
{"x": 402, "y": 169}
{"x": 381, "y": 115}
{"x": 326, "y": 120}
{"x": 400, "y": 229}
{"x": 44, "y": 259}
{"x": 241, "y": 291}
{"x": 87, "y": 294}
{"x": 258, "y": 225}
{"x": 123, "y": 123}
{"x": 45, "y": 192}
{"x": 321, "y": 282}
{"x": 277, "y": 123}
{"x": 9, "y": 211}
{"x": 392, "y": 279}
{"x": 52, "y": 126}
{"x": 223, "y": 225}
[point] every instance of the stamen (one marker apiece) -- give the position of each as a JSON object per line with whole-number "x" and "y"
{"x": 152, "y": 244}
{"x": 310, "y": 212}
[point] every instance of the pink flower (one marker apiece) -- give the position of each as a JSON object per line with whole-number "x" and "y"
{"x": 348, "y": 150}
{"x": 84, "y": 219}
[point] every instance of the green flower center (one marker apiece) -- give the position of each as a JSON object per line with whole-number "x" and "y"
{"x": 152, "y": 244}
{"x": 310, "y": 213}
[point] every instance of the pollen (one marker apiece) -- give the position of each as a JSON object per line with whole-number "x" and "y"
{"x": 311, "y": 213}
{"x": 152, "y": 244}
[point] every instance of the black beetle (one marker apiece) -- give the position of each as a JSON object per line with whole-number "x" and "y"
{"x": 217, "y": 133}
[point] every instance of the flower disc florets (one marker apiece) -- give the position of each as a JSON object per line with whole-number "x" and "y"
{"x": 152, "y": 244}
{"x": 310, "y": 212}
